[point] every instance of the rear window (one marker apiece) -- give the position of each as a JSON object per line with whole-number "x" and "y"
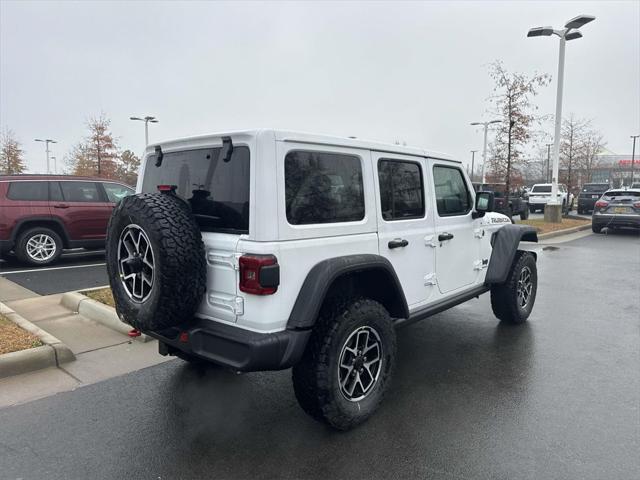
{"x": 30, "y": 191}
{"x": 80, "y": 192}
{"x": 595, "y": 188}
{"x": 323, "y": 187}
{"x": 217, "y": 191}
{"x": 401, "y": 190}
{"x": 541, "y": 189}
{"x": 621, "y": 193}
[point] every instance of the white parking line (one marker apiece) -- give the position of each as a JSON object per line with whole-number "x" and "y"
{"x": 51, "y": 268}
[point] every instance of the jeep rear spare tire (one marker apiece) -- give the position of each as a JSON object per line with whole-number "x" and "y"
{"x": 155, "y": 260}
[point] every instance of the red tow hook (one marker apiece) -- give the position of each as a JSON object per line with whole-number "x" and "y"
{"x": 134, "y": 333}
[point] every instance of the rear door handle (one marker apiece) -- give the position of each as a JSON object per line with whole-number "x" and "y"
{"x": 398, "y": 243}
{"x": 445, "y": 236}
{"x": 61, "y": 205}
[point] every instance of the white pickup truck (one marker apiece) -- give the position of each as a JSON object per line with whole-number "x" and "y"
{"x": 540, "y": 194}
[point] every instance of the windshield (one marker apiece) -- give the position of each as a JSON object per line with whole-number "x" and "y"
{"x": 598, "y": 188}
{"x": 541, "y": 189}
{"x": 217, "y": 191}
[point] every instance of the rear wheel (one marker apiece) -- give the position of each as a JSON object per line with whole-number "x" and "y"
{"x": 596, "y": 228}
{"x": 513, "y": 300}
{"x": 38, "y": 246}
{"x": 348, "y": 363}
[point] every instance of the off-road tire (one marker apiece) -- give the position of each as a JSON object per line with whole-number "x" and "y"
{"x": 504, "y": 297}
{"x": 21, "y": 246}
{"x": 180, "y": 276}
{"x": 315, "y": 378}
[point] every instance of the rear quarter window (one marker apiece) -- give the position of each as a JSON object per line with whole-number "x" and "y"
{"x": 28, "y": 191}
{"x": 323, "y": 187}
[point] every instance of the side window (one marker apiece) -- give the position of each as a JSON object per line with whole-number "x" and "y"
{"x": 452, "y": 196}
{"x": 401, "y": 189}
{"x": 80, "y": 192}
{"x": 116, "y": 192}
{"x": 30, "y": 191}
{"x": 323, "y": 188}
{"x": 55, "y": 194}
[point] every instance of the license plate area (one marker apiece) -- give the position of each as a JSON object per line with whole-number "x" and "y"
{"x": 621, "y": 210}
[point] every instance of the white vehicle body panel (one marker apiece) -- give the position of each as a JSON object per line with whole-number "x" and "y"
{"x": 456, "y": 265}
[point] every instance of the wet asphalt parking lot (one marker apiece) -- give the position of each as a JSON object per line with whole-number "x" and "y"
{"x": 558, "y": 398}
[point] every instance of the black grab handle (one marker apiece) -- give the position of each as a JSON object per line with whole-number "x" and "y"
{"x": 445, "y": 236}
{"x": 398, "y": 243}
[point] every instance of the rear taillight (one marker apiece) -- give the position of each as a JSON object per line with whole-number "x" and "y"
{"x": 601, "y": 204}
{"x": 259, "y": 274}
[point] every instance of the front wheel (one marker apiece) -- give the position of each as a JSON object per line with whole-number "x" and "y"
{"x": 532, "y": 209}
{"x": 512, "y": 301}
{"x": 348, "y": 363}
{"x": 524, "y": 214}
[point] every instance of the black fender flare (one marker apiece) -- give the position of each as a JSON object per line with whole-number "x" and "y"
{"x": 505, "y": 243}
{"x": 321, "y": 277}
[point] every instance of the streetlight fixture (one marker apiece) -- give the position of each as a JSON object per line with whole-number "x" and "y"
{"x": 46, "y": 142}
{"x": 569, "y": 32}
{"x": 146, "y": 121}
{"x": 484, "y": 149}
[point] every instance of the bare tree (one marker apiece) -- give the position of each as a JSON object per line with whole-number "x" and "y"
{"x": 571, "y": 145}
{"x": 592, "y": 146}
{"x": 11, "y": 154}
{"x": 512, "y": 103}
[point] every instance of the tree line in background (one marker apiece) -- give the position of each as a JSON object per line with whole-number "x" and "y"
{"x": 510, "y": 159}
{"x": 99, "y": 155}
{"x": 96, "y": 155}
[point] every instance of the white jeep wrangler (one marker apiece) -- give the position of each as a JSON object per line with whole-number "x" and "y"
{"x": 265, "y": 250}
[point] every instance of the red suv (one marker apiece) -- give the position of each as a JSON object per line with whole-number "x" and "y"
{"x": 42, "y": 214}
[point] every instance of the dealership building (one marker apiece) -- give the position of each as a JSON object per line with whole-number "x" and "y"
{"x": 615, "y": 170}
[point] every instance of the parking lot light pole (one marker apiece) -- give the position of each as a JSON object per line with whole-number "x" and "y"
{"x": 473, "y": 158}
{"x": 146, "y": 121}
{"x": 484, "y": 149}
{"x": 55, "y": 164}
{"x": 633, "y": 156}
{"x": 46, "y": 142}
{"x": 548, "y": 160}
{"x": 569, "y": 32}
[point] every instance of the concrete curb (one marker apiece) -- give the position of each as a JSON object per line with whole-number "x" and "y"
{"x": 566, "y": 231}
{"x": 98, "y": 312}
{"x": 51, "y": 354}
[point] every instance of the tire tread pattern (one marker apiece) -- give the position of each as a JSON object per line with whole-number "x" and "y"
{"x": 181, "y": 269}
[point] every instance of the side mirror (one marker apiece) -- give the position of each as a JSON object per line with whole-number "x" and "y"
{"x": 484, "y": 204}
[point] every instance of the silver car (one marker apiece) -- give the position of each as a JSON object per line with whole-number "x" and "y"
{"x": 617, "y": 208}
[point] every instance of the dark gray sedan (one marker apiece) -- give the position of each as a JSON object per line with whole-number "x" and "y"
{"x": 617, "y": 208}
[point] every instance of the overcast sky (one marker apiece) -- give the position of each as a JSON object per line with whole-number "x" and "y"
{"x": 385, "y": 71}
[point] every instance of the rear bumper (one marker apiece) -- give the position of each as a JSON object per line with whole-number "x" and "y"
{"x": 236, "y": 348}
{"x": 632, "y": 221}
{"x": 587, "y": 203}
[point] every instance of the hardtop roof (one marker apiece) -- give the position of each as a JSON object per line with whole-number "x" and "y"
{"x": 310, "y": 138}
